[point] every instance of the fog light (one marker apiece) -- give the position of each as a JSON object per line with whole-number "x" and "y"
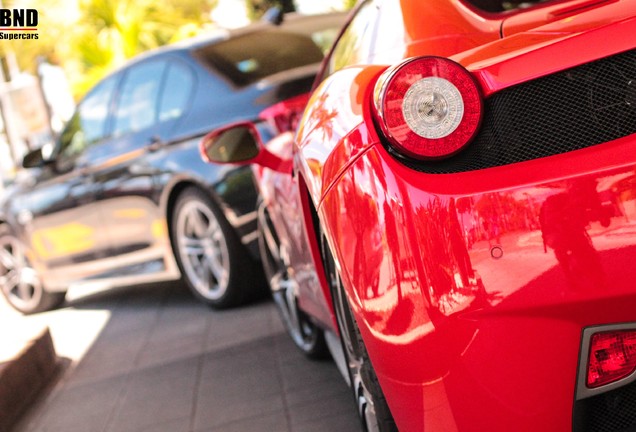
{"x": 612, "y": 357}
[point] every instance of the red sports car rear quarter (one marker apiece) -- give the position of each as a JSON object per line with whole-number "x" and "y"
{"x": 475, "y": 279}
{"x": 472, "y": 284}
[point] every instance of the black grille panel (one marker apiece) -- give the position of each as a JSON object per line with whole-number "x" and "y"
{"x": 614, "y": 411}
{"x": 570, "y": 110}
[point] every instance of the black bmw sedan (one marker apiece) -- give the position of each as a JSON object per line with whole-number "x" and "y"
{"x": 123, "y": 197}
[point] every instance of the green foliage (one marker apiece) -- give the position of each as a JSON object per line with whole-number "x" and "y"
{"x": 90, "y": 38}
{"x": 112, "y": 31}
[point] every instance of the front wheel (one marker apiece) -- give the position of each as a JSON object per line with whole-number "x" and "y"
{"x": 373, "y": 409}
{"x": 19, "y": 282}
{"x": 306, "y": 335}
{"x": 213, "y": 262}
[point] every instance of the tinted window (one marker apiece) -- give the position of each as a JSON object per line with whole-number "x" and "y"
{"x": 248, "y": 58}
{"x": 137, "y": 105}
{"x": 176, "y": 92}
{"x": 88, "y": 124}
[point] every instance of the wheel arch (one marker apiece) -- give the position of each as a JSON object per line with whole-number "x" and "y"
{"x": 312, "y": 228}
{"x": 173, "y": 193}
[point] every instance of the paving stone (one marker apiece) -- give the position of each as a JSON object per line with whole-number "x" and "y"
{"x": 274, "y": 422}
{"x": 163, "y": 362}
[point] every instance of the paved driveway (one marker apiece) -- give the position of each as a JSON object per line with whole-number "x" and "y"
{"x": 153, "y": 359}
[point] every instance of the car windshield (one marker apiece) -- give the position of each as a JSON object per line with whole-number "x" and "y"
{"x": 250, "y": 57}
{"x": 503, "y": 5}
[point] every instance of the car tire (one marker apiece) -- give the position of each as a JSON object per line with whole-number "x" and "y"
{"x": 373, "y": 410}
{"x": 214, "y": 264}
{"x": 21, "y": 285}
{"x": 305, "y": 334}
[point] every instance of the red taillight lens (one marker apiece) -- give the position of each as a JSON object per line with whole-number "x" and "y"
{"x": 284, "y": 116}
{"x": 428, "y": 107}
{"x": 612, "y": 357}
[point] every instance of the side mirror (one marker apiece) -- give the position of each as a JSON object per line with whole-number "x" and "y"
{"x": 33, "y": 159}
{"x": 40, "y": 157}
{"x": 241, "y": 144}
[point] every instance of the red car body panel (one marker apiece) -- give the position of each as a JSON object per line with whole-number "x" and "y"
{"x": 433, "y": 312}
{"x": 471, "y": 290}
{"x": 552, "y": 48}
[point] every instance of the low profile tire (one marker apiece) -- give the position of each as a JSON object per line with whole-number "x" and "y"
{"x": 373, "y": 409}
{"x": 308, "y": 337}
{"x": 21, "y": 286}
{"x": 213, "y": 262}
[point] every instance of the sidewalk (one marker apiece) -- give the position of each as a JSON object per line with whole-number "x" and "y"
{"x": 154, "y": 359}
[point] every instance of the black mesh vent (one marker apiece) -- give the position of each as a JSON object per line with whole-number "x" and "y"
{"x": 570, "y": 110}
{"x": 614, "y": 411}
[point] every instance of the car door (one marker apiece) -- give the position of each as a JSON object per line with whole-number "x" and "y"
{"x": 60, "y": 219}
{"x": 152, "y": 97}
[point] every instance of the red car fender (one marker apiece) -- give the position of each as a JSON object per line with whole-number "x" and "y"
{"x": 423, "y": 299}
{"x": 319, "y": 166}
{"x": 321, "y": 156}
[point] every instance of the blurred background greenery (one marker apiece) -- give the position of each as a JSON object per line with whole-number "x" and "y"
{"x": 89, "y": 38}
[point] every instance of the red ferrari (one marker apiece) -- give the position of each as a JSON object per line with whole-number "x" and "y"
{"x": 458, "y": 207}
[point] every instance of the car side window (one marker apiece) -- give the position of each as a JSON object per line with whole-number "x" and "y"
{"x": 354, "y": 44}
{"x": 137, "y": 104}
{"x": 88, "y": 124}
{"x": 176, "y": 92}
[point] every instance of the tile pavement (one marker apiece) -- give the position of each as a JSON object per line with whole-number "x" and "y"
{"x": 161, "y": 361}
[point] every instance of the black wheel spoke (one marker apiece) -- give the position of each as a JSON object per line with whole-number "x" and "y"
{"x": 304, "y": 333}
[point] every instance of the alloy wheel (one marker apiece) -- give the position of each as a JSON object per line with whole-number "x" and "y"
{"x": 305, "y": 334}
{"x": 355, "y": 359}
{"x": 203, "y": 250}
{"x": 18, "y": 280}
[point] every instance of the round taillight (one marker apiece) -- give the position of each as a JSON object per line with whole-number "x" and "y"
{"x": 428, "y": 107}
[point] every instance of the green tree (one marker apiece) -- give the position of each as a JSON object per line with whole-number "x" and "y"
{"x": 256, "y": 8}
{"x": 112, "y": 31}
{"x": 89, "y": 38}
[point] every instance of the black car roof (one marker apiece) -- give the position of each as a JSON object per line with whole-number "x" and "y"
{"x": 293, "y": 22}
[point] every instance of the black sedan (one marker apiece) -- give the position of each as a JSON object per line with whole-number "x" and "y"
{"x": 123, "y": 197}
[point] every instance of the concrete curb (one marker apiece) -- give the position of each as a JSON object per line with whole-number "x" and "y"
{"x": 24, "y": 377}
